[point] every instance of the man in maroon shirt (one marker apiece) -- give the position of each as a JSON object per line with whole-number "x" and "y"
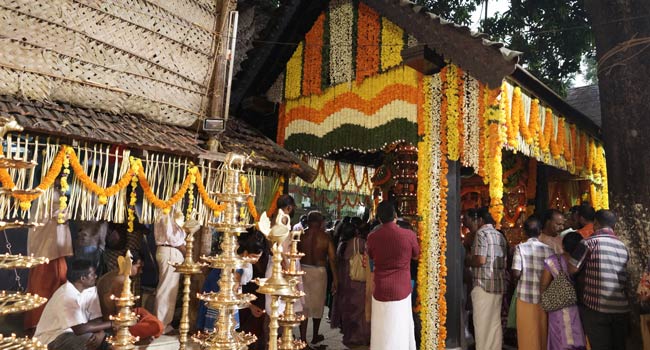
{"x": 392, "y": 248}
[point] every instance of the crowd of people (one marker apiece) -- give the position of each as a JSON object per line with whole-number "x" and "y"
{"x": 570, "y": 276}
{"x": 569, "y": 280}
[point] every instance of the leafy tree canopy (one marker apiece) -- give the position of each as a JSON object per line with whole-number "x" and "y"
{"x": 554, "y": 35}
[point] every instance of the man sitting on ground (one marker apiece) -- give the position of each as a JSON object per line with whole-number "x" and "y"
{"x": 72, "y": 319}
{"x": 148, "y": 326}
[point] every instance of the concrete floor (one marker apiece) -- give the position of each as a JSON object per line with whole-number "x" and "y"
{"x": 333, "y": 337}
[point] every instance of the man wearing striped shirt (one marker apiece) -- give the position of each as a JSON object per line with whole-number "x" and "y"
{"x": 528, "y": 265}
{"x": 488, "y": 263}
{"x": 605, "y": 306}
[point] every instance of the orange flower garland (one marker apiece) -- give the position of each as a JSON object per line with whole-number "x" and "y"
{"x": 524, "y": 129}
{"x": 102, "y": 193}
{"x": 274, "y": 201}
{"x": 534, "y": 125}
{"x": 48, "y": 181}
{"x": 216, "y": 208}
{"x": 569, "y": 148}
{"x": 545, "y": 139}
{"x": 496, "y": 120}
{"x": 557, "y": 142}
{"x": 67, "y": 157}
{"x": 245, "y": 188}
{"x": 313, "y": 58}
{"x": 368, "y": 32}
{"x": 152, "y": 198}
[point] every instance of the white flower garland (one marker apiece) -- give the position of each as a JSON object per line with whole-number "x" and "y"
{"x": 341, "y": 22}
{"x": 471, "y": 118}
{"x": 433, "y": 220}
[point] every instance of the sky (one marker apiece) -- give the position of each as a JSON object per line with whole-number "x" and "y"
{"x": 501, "y": 6}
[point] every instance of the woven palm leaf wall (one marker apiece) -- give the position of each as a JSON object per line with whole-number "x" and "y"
{"x": 148, "y": 57}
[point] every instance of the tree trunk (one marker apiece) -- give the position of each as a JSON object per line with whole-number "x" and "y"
{"x": 621, "y": 30}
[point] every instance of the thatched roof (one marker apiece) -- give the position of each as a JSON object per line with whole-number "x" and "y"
{"x": 76, "y": 123}
{"x": 586, "y": 99}
{"x": 129, "y": 72}
{"x": 152, "y": 58}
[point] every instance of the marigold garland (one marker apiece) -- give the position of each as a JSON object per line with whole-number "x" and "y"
{"x": 442, "y": 302}
{"x": 444, "y": 110}
{"x": 557, "y": 142}
{"x": 67, "y": 158}
{"x": 190, "y": 191}
{"x": 534, "y": 125}
{"x": 450, "y": 86}
{"x": 136, "y": 166}
{"x": 207, "y": 201}
{"x": 102, "y": 193}
{"x": 368, "y": 31}
{"x": 293, "y": 77}
{"x": 152, "y": 198}
{"x": 392, "y": 43}
{"x": 313, "y": 58}
{"x": 431, "y": 286}
{"x": 63, "y": 199}
{"x": 545, "y": 139}
{"x": 515, "y": 119}
{"x": 571, "y": 147}
{"x": 273, "y": 205}
{"x": 245, "y": 188}
{"x": 460, "y": 86}
{"x": 496, "y": 115}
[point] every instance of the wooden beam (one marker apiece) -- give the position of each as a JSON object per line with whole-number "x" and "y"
{"x": 423, "y": 59}
{"x": 455, "y": 259}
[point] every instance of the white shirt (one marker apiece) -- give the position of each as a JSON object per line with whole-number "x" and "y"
{"x": 67, "y": 308}
{"x": 52, "y": 240}
{"x": 167, "y": 231}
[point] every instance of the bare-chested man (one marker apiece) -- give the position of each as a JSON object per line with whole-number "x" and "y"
{"x": 319, "y": 250}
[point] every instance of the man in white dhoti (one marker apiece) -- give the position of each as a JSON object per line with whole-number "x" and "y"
{"x": 170, "y": 242}
{"x": 391, "y": 249}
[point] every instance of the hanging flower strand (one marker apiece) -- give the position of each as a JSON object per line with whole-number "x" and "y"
{"x": 135, "y": 166}
{"x": 63, "y": 199}
{"x": 190, "y": 191}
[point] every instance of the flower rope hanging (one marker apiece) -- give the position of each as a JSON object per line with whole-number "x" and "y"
{"x": 67, "y": 159}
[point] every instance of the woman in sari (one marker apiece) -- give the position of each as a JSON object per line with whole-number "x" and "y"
{"x": 348, "y": 310}
{"x": 564, "y": 326}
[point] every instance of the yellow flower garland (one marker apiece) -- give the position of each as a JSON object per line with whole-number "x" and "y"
{"x": 190, "y": 192}
{"x": 63, "y": 199}
{"x": 515, "y": 118}
{"x": 453, "y": 114}
{"x": 293, "y": 78}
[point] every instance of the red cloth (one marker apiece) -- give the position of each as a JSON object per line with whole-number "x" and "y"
{"x": 148, "y": 325}
{"x": 392, "y": 248}
{"x": 587, "y": 230}
{"x": 44, "y": 280}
